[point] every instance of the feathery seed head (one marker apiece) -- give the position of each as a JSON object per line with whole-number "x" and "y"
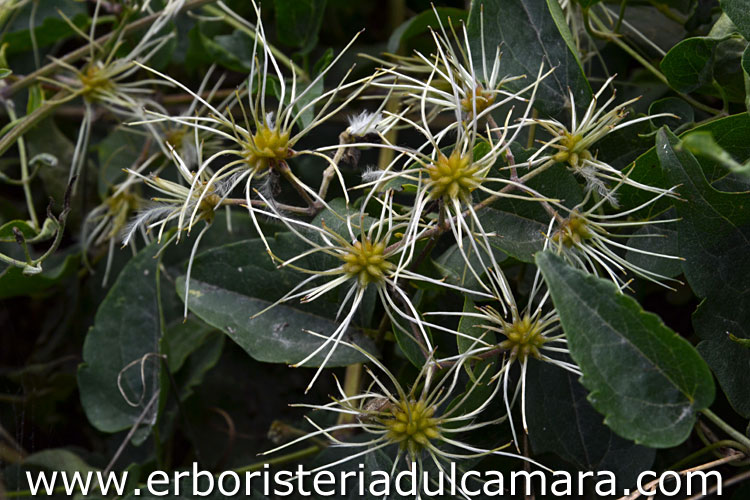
{"x": 571, "y": 150}
{"x": 454, "y": 176}
{"x": 94, "y": 80}
{"x": 572, "y": 231}
{"x": 524, "y": 338}
{"x": 267, "y": 145}
{"x": 478, "y": 97}
{"x": 412, "y": 425}
{"x": 366, "y": 261}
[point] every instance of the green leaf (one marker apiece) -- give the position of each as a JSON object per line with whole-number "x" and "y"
{"x": 334, "y": 219}
{"x": 121, "y": 149}
{"x": 58, "y": 459}
{"x": 719, "y": 261}
{"x": 688, "y": 65}
{"x": 518, "y": 236}
{"x": 126, "y": 328}
{"x": 730, "y": 133}
{"x": 648, "y": 381}
{"x": 702, "y": 143}
{"x": 662, "y": 240}
{"x": 714, "y": 237}
{"x": 36, "y": 98}
{"x": 182, "y": 338}
{"x": 298, "y": 22}
{"x": 585, "y": 4}
{"x": 563, "y": 422}
{"x": 469, "y": 327}
{"x": 13, "y": 283}
{"x": 421, "y": 23}
{"x": 49, "y": 27}
{"x": 230, "y": 284}
{"x": 232, "y": 51}
{"x": 557, "y": 182}
{"x": 277, "y": 336}
{"x": 322, "y": 63}
{"x": 739, "y": 12}
{"x": 709, "y": 64}
{"x": 7, "y": 234}
{"x": 453, "y": 266}
{"x": 676, "y": 106}
{"x": 531, "y": 32}
{"x": 203, "y": 356}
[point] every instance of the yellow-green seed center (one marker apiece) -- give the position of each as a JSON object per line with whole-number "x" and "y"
{"x": 265, "y": 146}
{"x": 93, "y": 80}
{"x": 478, "y": 97}
{"x": 412, "y": 425}
{"x": 367, "y": 262}
{"x": 572, "y": 231}
{"x": 523, "y": 338}
{"x": 570, "y": 150}
{"x": 453, "y": 177}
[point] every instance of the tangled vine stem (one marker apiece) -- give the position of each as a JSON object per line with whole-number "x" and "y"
{"x": 736, "y": 435}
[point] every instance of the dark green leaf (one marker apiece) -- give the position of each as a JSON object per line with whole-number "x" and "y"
{"x": 730, "y": 133}
{"x": 739, "y": 12}
{"x": 703, "y": 144}
{"x": 648, "y": 381}
{"x": 13, "y": 283}
{"x": 681, "y": 109}
{"x": 58, "y": 459}
{"x": 662, "y": 240}
{"x": 563, "y": 422}
{"x": 182, "y": 338}
{"x": 689, "y": 65}
{"x": 714, "y": 237}
{"x": 7, "y": 234}
{"x": 231, "y": 51}
{"x": 470, "y": 327}
{"x": 518, "y": 236}
{"x": 232, "y": 283}
{"x": 422, "y": 22}
{"x": 452, "y": 264}
{"x": 127, "y": 328}
{"x": 49, "y": 27}
{"x": 298, "y": 22}
{"x": 531, "y": 32}
{"x": 746, "y": 75}
{"x": 121, "y": 149}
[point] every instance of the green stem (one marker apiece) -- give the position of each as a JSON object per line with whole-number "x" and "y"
{"x": 25, "y": 177}
{"x": 734, "y": 433}
{"x": 650, "y": 67}
{"x": 661, "y": 7}
{"x": 29, "y": 121}
{"x": 725, "y": 443}
{"x": 620, "y": 16}
{"x": 283, "y": 59}
{"x": 352, "y": 382}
